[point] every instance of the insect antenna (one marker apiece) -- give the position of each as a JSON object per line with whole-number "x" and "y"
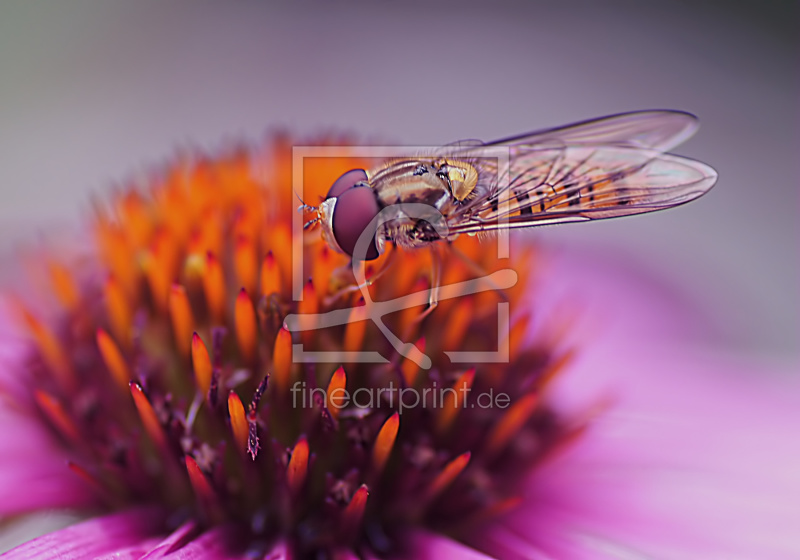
{"x": 306, "y": 208}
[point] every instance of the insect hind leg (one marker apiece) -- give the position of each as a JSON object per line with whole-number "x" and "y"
{"x": 475, "y": 268}
{"x": 436, "y": 282}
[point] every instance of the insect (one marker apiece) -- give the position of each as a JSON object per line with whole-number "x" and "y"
{"x": 601, "y": 168}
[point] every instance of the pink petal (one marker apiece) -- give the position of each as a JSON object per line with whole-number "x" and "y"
{"x": 33, "y": 466}
{"x": 134, "y": 552}
{"x": 178, "y": 538}
{"x": 281, "y": 552}
{"x": 124, "y": 533}
{"x": 700, "y": 469}
{"x": 13, "y": 378}
{"x": 33, "y": 470}
{"x": 615, "y": 298}
{"x": 698, "y": 455}
{"x": 219, "y": 543}
{"x": 697, "y": 459}
{"x": 429, "y": 546}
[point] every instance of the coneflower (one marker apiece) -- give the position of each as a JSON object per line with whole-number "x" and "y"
{"x": 157, "y": 392}
{"x": 167, "y": 378}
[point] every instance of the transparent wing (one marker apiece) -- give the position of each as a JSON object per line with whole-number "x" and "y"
{"x": 459, "y": 149}
{"x": 659, "y": 130}
{"x": 549, "y": 185}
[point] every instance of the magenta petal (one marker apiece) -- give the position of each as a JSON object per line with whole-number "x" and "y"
{"x": 33, "y": 472}
{"x": 695, "y": 459}
{"x": 33, "y": 466}
{"x": 429, "y": 546}
{"x": 11, "y": 350}
{"x": 280, "y": 551}
{"x": 616, "y": 298}
{"x": 219, "y": 543}
{"x": 696, "y": 456}
{"x": 134, "y": 552}
{"x": 96, "y": 538}
{"x": 25, "y": 490}
{"x": 177, "y": 539}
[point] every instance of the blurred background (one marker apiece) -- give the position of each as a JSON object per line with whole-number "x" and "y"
{"x": 94, "y": 92}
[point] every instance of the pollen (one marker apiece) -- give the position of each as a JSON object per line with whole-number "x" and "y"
{"x": 270, "y": 276}
{"x": 51, "y": 350}
{"x": 150, "y": 421}
{"x": 410, "y": 366}
{"x": 239, "y": 425}
{"x": 307, "y": 308}
{"x": 454, "y": 400}
{"x": 510, "y": 423}
{"x": 113, "y": 359}
{"x": 335, "y": 393}
{"x": 446, "y": 477}
{"x": 282, "y": 360}
{"x": 385, "y": 442}
{"x": 118, "y": 310}
{"x": 157, "y": 279}
{"x": 214, "y": 286}
{"x": 460, "y": 322}
{"x": 64, "y": 286}
{"x": 355, "y": 330}
{"x": 246, "y": 329}
{"x": 246, "y": 263}
{"x": 297, "y": 468}
{"x": 203, "y": 490}
{"x": 59, "y": 417}
{"x": 354, "y": 512}
{"x": 180, "y": 312}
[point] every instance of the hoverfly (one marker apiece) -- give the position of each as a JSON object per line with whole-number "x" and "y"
{"x": 595, "y": 169}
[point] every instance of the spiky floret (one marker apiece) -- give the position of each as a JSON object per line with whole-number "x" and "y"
{"x": 169, "y": 376}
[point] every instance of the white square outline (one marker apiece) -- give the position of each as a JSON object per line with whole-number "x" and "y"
{"x": 300, "y": 153}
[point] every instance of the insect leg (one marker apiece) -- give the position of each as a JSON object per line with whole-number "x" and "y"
{"x": 477, "y": 269}
{"x": 387, "y": 264}
{"x": 436, "y": 281}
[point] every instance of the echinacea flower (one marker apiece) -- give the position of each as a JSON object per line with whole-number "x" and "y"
{"x": 156, "y": 391}
{"x": 163, "y": 391}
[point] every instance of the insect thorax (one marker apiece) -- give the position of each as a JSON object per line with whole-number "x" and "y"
{"x": 432, "y": 181}
{"x": 437, "y": 182}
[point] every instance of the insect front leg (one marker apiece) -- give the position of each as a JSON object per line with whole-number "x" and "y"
{"x": 366, "y": 283}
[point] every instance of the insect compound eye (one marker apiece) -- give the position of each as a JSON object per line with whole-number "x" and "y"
{"x": 346, "y": 181}
{"x": 355, "y": 208}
